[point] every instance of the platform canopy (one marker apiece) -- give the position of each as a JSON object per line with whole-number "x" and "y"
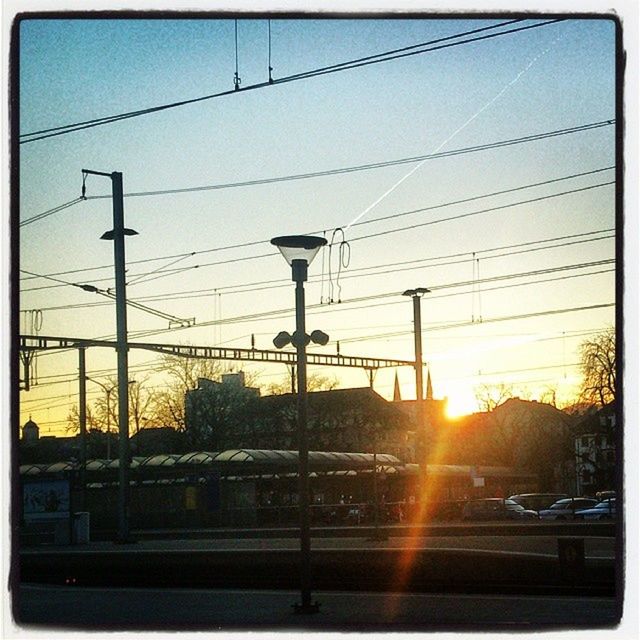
{"x": 232, "y": 462}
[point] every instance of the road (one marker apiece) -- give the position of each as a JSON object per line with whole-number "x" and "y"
{"x": 216, "y": 609}
{"x": 595, "y": 547}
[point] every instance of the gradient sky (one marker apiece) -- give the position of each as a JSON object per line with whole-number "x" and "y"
{"x": 536, "y": 81}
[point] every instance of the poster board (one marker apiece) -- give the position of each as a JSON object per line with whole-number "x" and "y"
{"x": 45, "y": 499}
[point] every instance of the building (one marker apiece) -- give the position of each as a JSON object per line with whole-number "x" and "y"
{"x": 229, "y": 415}
{"x": 595, "y": 451}
{"x": 30, "y": 431}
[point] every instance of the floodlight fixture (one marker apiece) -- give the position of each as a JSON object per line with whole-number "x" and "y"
{"x": 111, "y": 234}
{"x": 319, "y": 337}
{"x": 282, "y": 340}
{"x": 420, "y": 291}
{"x": 299, "y": 247}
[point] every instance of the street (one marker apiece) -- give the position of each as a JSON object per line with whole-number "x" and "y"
{"x": 595, "y": 547}
{"x": 216, "y": 609}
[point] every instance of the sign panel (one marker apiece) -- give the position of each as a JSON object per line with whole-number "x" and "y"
{"x": 45, "y": 499}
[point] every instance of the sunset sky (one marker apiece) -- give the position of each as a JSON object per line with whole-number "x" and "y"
{"x": 515, "y": 241}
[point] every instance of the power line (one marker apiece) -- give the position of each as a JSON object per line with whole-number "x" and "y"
{"x": 450, "y": 295}
{"x": 253, "y": 243}
{"x": 355, "y": 273}
{"x": 389, "y": 231}
{"x": 50, "y": 212}
{"x": 524, "y": 316}
{"x": 183, "y": 256}
{"x": 383, "y": 57}
{"x": 372, "y": 165}
{"x": 267, "y": 315}
{"x": 481, "y": 211}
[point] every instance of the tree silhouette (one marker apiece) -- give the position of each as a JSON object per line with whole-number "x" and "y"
{"x": 598, "y": 365}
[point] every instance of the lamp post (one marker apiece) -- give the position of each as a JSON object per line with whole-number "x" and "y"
{"x": 117, "y": 234}
{"x": 299, "y": 251}
{"x": 108, "y": 391}
{"x": 416, "y": 296}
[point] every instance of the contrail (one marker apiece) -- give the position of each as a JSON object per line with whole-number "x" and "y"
{"x": 455, "y": 133}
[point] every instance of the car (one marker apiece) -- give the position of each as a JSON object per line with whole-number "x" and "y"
{"x": 496, "y": 509}
{"x": 566, "y": 508}
{"x": 537, "y": 501}
{"x": 605, "y": 510}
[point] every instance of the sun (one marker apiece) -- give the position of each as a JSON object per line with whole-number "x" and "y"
{"x": 460, "y": 404}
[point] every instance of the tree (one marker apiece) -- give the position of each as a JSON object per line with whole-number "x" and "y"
{"x": 141, "y": 402}
{"x": 220, "y": 415}
{"x": 315, "y": 382}
{"x": 598, "y": 365}
{"x": 490, "y": 396}
{"x": 73, "y": 419}
{"x": 183, "y": 373}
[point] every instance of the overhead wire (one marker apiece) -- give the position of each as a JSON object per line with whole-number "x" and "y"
{"x": 266, "y": 315}
{"x": 371, "y": 165}
{"x": 383, "y": 57}
{"x": 50, "y": 212}
{"x": 394, "y": 230}
{"x": 384, "y": 269}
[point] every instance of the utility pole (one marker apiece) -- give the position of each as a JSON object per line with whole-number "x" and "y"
{"x": 82, "y": 411}
{"x": 117, "y": 234}
{"x": 416, "y": 296}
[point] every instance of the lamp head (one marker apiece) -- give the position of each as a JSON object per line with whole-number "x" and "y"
{"x": 110, "y": 235}
{"x": 299, "y": 247}
{"x": 282, "y": 340}
{"x": 420, "y": 291}
{"x": 319, "y": 337}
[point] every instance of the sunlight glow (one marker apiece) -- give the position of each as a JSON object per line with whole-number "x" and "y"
{"x": 461, "y": 403}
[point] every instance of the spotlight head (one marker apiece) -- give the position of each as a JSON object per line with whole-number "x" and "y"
{"x": 319, "y": 337}
{"x": 300, "y": 340}
{"x": 282, "y": 340}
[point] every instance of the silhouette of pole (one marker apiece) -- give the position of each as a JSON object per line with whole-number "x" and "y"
{"x": 416, "y": 296}
{"x": 82, "y": 417}
{"x": 299, "y": 251}
{"x": 299, "y": 268}
{"x": 117, "y": 234}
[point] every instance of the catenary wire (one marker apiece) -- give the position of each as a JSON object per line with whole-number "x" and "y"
{"x": 382, "y": 269}
{"x": 64, "y": 129}
{"x": 372, "y": 165}
{"x": 391, "y": 231}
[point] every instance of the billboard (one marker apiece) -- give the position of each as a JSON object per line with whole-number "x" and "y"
{"x": 45, "y": 499}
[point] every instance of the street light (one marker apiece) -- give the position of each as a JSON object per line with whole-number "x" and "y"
{"x": 416, "y": 295}
{"x": 108, "y": 391}
{"x": 299, "y": 251}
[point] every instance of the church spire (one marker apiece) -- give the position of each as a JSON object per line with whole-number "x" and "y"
{"x": 429, "y": 387}
{"x": 396, "y": 390}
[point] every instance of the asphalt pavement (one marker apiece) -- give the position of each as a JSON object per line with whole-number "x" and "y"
{"x": 65, "y": 608}
{"x": 596, "y": 547}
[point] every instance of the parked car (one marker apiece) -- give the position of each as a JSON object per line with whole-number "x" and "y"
{"x": 537, "y": 501}
{"x": 566, "y": 508}
{"x": 496, "y": 509}
{"x": 605, "y": 510}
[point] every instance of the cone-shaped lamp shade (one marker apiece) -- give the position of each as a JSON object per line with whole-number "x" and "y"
{"x": 299, "y": 247}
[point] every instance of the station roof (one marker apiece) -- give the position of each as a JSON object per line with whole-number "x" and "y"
{"x": 236, "y": 461}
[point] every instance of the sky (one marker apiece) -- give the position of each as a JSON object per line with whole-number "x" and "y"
{"x": 521, "y": 229}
